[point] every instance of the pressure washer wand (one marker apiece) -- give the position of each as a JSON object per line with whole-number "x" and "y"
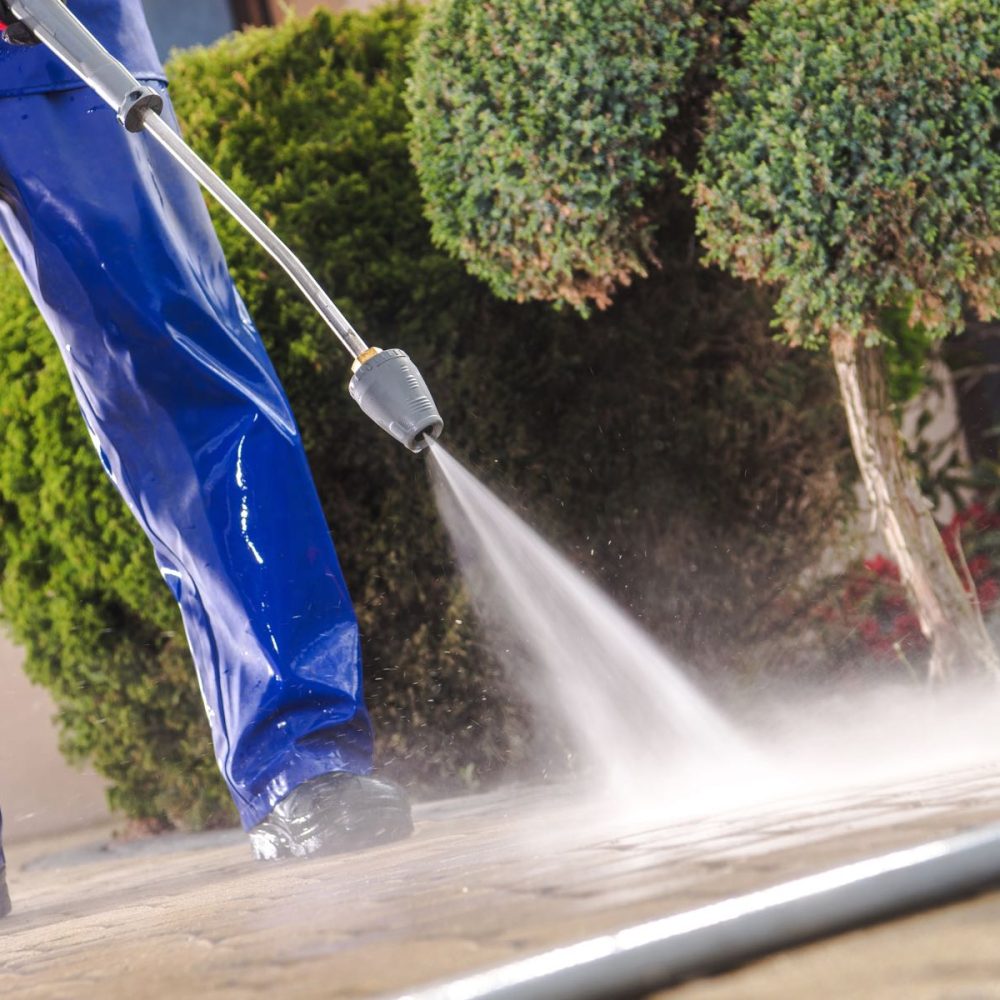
{"x": 385, "y": 384}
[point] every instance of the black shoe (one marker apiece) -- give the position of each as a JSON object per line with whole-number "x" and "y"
{"x": 4, "y": 895}
{"x": 333, "y": 813}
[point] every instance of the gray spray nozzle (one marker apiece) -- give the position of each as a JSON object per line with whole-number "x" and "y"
{"x": 389, "y": 388}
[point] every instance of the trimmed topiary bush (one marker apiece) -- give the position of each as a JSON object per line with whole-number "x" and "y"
{"x": 536, "y": 137}
{"x": 852, "y": 163}
{"x": 682, "y": 459}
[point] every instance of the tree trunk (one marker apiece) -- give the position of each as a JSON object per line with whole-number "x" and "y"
{"x": 949, "y": 617}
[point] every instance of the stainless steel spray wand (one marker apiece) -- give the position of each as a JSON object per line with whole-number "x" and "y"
{"x": 385, "y": 384}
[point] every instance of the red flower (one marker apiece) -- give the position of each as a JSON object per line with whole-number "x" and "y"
{"x": 979, "y": 566}
{"x": 976, "y": 511}
{"x": 906, "y": 627}
{"x": 882, "y": 567}
{"x": 988, "y": 592}
{"x": 870, "y": 631}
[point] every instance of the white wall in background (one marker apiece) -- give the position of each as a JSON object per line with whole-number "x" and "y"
{"x": 179, "y": 24}
{"x": 40, "y": 794}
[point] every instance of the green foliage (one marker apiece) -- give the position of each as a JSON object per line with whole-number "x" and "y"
{"x": 536, "y": 136}
{"x": 690, "y": 465}
{"x": 907, "y": 348}
{"x": 852, "y": 162}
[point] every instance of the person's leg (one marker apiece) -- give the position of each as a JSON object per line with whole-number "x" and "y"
{"x": 194, "y": 428}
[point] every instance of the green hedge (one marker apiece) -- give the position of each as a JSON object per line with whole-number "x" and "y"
{"x": 536, "y": 136}
{"x": 79, "y": 589}
{"x": 852, "y": 162}
{"x": 666, "y": 444}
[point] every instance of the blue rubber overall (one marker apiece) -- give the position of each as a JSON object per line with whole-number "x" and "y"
{"x": 187, "y": 415}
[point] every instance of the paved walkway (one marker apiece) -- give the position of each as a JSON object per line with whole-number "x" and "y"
{"x": 483, "y": 881}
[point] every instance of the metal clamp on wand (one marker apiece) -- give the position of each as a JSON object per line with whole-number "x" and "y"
{"x": 386, "y": 384}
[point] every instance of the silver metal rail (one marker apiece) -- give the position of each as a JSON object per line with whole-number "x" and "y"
{"x": 156, "y": 127}
{"x": 640, "y": 959}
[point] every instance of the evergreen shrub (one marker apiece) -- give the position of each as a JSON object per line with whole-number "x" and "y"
{"x": 681, "y": 460}
{"x": 536, "y": 136}
{"x": 853, "y": 163}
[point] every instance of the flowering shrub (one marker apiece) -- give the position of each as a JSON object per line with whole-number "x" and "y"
{"x": 871, "y": 605}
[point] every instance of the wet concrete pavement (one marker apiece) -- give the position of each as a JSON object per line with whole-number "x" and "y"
{"x": 484, "y": 880}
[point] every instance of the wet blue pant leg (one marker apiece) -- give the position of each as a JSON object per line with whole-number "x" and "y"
{"x": 194, "y": 428}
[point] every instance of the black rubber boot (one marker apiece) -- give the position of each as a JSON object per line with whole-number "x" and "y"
{"x": 16, "y": 32}
{"x": 4, "y": 895}
{"x": 330, "y": 814}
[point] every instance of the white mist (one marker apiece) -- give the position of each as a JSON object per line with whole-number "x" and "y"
{"x": 632, "y": 715}
{"x": 645, "y": 733}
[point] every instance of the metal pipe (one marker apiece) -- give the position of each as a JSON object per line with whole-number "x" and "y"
{"x": 156, "y": 127}
{"x": 650, "y": 956}
{"x": 63, "y": 33}
{"x": 138, "y": 109}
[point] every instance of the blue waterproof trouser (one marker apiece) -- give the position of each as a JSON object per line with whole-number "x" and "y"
{"x": 192, "y": 424}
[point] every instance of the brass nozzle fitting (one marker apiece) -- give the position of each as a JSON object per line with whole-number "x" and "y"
{"x": 365, "y": 356}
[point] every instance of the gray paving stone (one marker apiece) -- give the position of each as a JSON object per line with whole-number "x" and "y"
{"x": 484, "y": 880}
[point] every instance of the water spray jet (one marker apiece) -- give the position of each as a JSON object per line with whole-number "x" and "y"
{"x": 639, "y": 726}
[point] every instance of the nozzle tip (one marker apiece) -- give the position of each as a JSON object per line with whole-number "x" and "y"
{"x": 390, "y": 389}
{"x": 423, "y": 439}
